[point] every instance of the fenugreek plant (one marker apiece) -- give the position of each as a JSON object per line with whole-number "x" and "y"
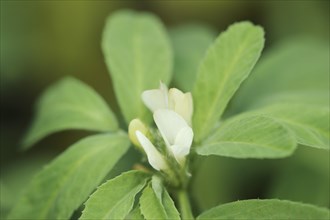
{"x": 271, "y": 114}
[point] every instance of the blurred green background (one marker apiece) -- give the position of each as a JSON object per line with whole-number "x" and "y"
{"x": 42, "y": 41}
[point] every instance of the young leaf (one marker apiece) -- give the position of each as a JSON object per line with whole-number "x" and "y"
{"x": 115, "y": 198}
{"x": 270, "y": 209}
{"x": 190, "y": 43}
{"x": 291, "y": 67}
{"x": 156, "y": 203}
{"x": 70, "y": 104}
{"x": 138, "y": 55}
{"x": 227, "y": 63}
{"x": 63, "y": 185}
{"x": 309, "y": 123}
{"x": 250, "y": 136}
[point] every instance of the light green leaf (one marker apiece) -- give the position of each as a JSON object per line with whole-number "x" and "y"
{"x": 70, "y": 104}
{"x": 115, "y": 198}
{"x": 190, "y": 43}
{"x": 138, "y": 55}
{"x": 250, "y": 136}
{"x": 62, "y": 186}
{"x": 135, "y": 214}
{"x": 266, "y": 209}
{"x": 287, "y": 69}
{"x": 309, "y": 123}
{"x": 227, "y": 63}
{"x": 156, "y": 204}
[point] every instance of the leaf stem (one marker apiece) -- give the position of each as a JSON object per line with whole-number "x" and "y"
{"x": 185, "y": 208}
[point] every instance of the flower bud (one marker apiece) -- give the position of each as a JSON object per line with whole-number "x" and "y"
{"x": 136, "y": 125}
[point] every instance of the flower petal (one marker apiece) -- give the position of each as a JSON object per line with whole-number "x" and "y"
{"x": 169, "y": 124}
{"x": 154, "y": 99}
{"x": 155, "y": 159}
{"x": 182, "y": 144}
{"x": 185, "y": 107}
{"x": 184, "y": 140}
{"x": 181, "y": 103}
{"x": 179, "y": 154}
{"x": 174, "y": 96}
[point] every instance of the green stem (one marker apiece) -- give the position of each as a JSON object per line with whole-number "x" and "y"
{"x": 184, "y": 204}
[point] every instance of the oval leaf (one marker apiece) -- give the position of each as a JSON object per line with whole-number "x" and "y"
{"x": 138, "y": 55}
{"x": 70, "y": 104}
{"x": 270, "y": 209}
{"x": 250, "y": 136}
{"x": 62, "y": 186}
{"x": 115, "y": 198}
{"x": 227, "y": 63}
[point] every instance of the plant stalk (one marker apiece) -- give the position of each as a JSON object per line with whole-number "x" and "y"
{"x": 185, "y": 208}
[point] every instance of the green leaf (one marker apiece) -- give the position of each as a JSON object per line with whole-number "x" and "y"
{"x": 227, "y": 63}
{"x": 309, "y": 123}
{"x": 190, "y": 43}
{"x": 135, "y": 214}
{"x": 266, "y": 209}
{"x": 156, "y": 203}
{"x": 62, "y": 186}
{"x": 70, "y": 104}
{"x": 250, "y": 136}
{"x": 138, "y": 55}
{"x": 115, "y": 198}
{"x": 287, "y": 69}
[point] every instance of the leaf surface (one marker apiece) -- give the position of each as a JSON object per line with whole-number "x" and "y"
{"x": 115, "y": 198}
{"x": 70, "y": 104}
{"x": 156, "y": 203}
{"x": 266, "y": 209}
{"x": 138, "y": 55}
{"x": 63, "y": 185}
{"x": 250, "y": 136}
{"x": 135, "y": 214}
{"x": 190, "y": 43}
{"x": 226, "y": 65}
{"x": 309, "y": 123}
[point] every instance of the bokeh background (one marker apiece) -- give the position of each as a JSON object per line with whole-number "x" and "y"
{"x": 42, "y": 41}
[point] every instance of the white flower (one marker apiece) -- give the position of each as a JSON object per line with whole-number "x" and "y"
{"x": 156, "y": 160}
{"x": 177, "y": 134}
{"x": 172, "y": 99}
